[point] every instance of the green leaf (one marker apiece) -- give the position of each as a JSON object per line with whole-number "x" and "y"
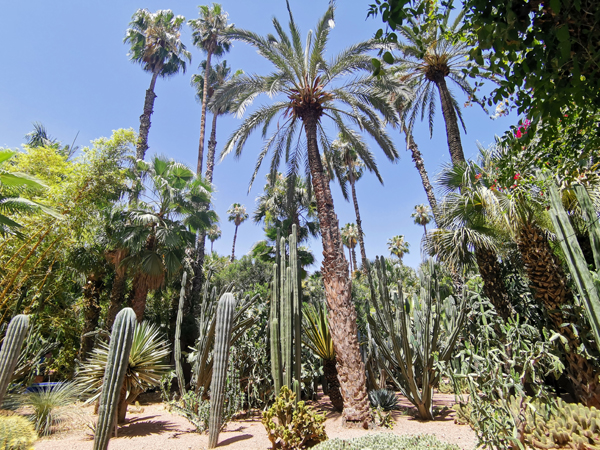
{"x": 562, "y": 33}
{"x": 376, "y": 66}
{"x": 555, "y": 5}
{"x": 388, "y": 58}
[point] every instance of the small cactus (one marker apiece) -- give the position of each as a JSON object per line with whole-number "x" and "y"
{"x": 225, "y": 311}
{"x": 16, "y": 433}
{"x": 11, "y": 348}
{"x": 114, "y": 375}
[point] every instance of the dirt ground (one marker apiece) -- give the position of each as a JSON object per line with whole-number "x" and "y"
{"x": 154, "y": 428}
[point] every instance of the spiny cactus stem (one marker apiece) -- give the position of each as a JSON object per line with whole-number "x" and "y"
{"x": 11, "y": 348}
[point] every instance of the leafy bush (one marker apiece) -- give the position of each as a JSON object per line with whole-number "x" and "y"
{"x": 296, "y": 427}
{"x": 387, "y": 441}
{"x": 384, "y": 399}
{"x": 16, "y": 433}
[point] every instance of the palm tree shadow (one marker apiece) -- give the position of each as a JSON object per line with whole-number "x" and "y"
{"x": 146, "y": 427}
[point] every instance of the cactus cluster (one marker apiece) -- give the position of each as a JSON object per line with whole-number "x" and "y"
{"x": 285, "y": 317}
{"x": 224, "y": 325}
{"x": 16, "y": 433}
{"x": 11, "y": 348}
{"x": 563, "y": 425}
{"x": 177, "y": 343}
{"x": 118, "y": 358}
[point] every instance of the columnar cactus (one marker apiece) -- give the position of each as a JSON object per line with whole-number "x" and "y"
{"x": 114, "y": 375}
{"x": 178, "y": 368}
{"x": 225, "y": 312}
{"x": 286, "y": 309}
{"x": 11, "y": 348}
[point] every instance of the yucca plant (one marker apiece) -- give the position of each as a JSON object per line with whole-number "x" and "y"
{"x": 317, "y": 337}
{"x": 49, "y": 405}
{"x": 384, "y": 399}
{"x": 146, "y": 366}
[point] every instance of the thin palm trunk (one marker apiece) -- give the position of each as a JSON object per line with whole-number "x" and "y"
{"x": 212, "y": 145}
{"x": 116, "y": 298}
{"x": 493, "y": 284}
{"x": 549, "y": 284}
{"x": 354, "y": 265}
{"x": 234, "y": 239}
{"x": 142, "y": 143}
{"x": 452, "y": 131}
{"x": 203, "y": 115}
{"x": 361, "y": 241}
{"x": 342, "y": 313}
{"x": 140, "y": 295}
{"x": 420, "y": 165}
{"x": 350, "y": 258}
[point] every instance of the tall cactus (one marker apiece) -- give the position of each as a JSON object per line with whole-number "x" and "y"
{"x": 412, "y": 341}
{"x": 225, "y": 311}
{"x": 178, "y": 368}
{"x": 574, "y": 255}
{"x": 114, "y": 375}
{"x": 11, "y": 348}
{"x": 286, "y": 314}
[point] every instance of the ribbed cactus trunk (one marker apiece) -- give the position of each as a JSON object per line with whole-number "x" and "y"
{"x": 296, "y": 297}
{"x": 11, "y": 348}
{"x": 178, "y": 367}
{"x": 225, "y": 311}
{"x": 275, "y": 338}
{"x": 114, "y": 375}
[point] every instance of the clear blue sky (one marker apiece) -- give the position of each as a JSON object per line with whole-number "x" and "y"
{"x": 65, "y": 65}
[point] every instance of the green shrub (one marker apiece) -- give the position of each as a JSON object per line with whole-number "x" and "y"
{"x": 16, "y": 433}
{"x": 384, "y": 399}
{"x": 385, "y": 441}
{"x": 296, "y": 426}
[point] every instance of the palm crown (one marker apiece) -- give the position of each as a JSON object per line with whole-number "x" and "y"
{"x": 155, "y": 42}
{"x": 398, "y": 246}
{"x": 237, "y": 213}
{"x": 208, "y": 30}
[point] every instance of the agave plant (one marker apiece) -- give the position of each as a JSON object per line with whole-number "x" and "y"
{"x": 384, "y": 399}
{"x": 146, "y": 366}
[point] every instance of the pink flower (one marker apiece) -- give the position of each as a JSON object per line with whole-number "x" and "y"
{"x": 519, "y": 134}
{"x": 517, "y": 176}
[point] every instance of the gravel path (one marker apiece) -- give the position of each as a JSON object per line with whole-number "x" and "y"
{"x": 155, "y": 428}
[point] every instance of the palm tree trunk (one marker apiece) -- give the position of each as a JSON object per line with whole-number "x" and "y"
{"x": 116, "y": 298}
{"x": 361, "y": 240}
{"x": 91, "y": 295}
{"x": 452, "y": 131}
{"x": 142, "y": 143}
{"x": 342, "y": 313}
{"x": 233, "y": 248}
{"x": 350, "y": 258}
{"x": 493, "y": 284}
{"x": 549, "y": 285}
{"x": 211, "y": 246}
{"x": 140, "y": 295}
{"x": 420, "y": 165}
{"x": 212, "y": 145}
{"x": 333, "y": 384}
{"x": 354, "y": 265}
{"x": 203, "y": 115}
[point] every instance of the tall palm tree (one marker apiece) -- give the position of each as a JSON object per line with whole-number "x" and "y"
{"x": 156, "y": 45}
{"x": 237, "y": 215}
{"x": 158, "y": 231}
{"x": 213, "y": 234}
{"x": 422, "y": 216}
{"x": 398, "y": 246}
{"x": 309, "y": 90}
{"x": 208, "y": 34}
{"x": 350, "y": 239}
{"x": 348, "y": 164}
{"x": 218, "y": 76}
{"x": 428, "y": 59}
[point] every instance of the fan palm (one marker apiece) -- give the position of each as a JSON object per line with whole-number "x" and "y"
{"x": 428, "y": 59}
{"x": 311, "y": 90}
{"x": 237, "y": 215}
{"x": 156, "y": 45}
{"x": 348, "y": 167}
{"x": 398, "y": 246}
{"x": 209, "y": 36}
{"x": 350, "y": 238}
{"x": 317, "y": 337}
{"x": 213, "y": 234}
{"x": 160, "y": 230}
{"x": 422, "y": 216}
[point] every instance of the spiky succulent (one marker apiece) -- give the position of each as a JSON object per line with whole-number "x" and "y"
{"x": 384, "y": 399}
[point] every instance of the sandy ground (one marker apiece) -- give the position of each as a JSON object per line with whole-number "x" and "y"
{"x": 155, "y": 428}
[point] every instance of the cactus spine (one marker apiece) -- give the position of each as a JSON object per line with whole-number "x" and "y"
{"x": 114, "y": 375}
{"x": 574, "y": 255}
{"x": 16, "y": 433}
{"x": 286, "y": 314}
{"x": 178, "y": 368}
{"x": 11, "y": 348}
{"x": 225, "y": 311}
